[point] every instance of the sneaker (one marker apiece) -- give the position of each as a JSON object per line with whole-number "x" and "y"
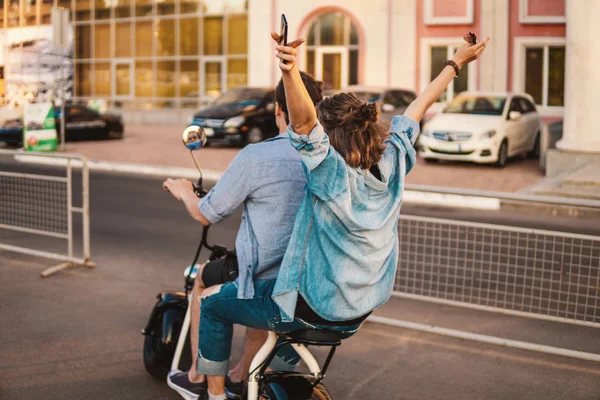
{"x": 233, "y": 390}
{"x": 180, "y": 382}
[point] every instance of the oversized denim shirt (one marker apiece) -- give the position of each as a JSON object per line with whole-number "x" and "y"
{"x": 343, "y": 253}
{"x": 268, "y": 179}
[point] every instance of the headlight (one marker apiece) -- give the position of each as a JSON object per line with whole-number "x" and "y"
{"x": 234, "y": 122}
{"x": 487, "y": 135}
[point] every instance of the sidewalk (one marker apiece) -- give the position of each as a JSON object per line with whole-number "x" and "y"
{"x": 161, "y": 146}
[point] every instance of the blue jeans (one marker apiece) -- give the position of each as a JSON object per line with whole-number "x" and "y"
{"x": 223, "y": 309}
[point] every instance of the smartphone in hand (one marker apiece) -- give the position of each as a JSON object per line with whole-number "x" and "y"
{"x": 473, "y": 38}
{"x": 283, "y": 31}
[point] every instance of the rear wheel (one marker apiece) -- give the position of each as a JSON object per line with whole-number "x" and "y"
{"x": 502, "y": 154}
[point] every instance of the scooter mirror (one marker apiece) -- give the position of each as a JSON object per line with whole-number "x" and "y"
{"x": 194, "y": 137}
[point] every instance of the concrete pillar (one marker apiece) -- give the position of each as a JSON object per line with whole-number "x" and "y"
{"x": 494, "y": 23}
{"x": 582, "y": 82}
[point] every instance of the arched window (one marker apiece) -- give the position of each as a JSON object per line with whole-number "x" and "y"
{"x": 332, "y": 50}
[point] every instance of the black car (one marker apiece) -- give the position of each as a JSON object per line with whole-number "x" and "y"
{"x": 239, "y": 116}
{"x": 81, "y": 123}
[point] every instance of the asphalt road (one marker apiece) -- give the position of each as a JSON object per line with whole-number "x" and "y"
{"x": 76, "y": 334}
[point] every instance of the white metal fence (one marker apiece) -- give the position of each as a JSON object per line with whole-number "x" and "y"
{"x": 39, "y": 202}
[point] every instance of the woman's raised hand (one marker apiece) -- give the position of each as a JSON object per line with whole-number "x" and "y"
{"x": 469, "y": 52}
{"x": 286, "y": 53}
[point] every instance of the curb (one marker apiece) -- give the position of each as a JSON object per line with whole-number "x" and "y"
{"x": 410, "y": 196}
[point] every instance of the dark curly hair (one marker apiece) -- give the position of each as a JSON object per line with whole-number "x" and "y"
{"x": 354, "y": 129}
{"x": 313, "y": 87}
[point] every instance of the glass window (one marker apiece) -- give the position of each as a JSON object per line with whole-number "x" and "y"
{"x": 237, "y": 34}
{"x": 102, "y": 41}
{"x": 83, "y": 41}
{"x": 165, "y": 7}
{"x": 189, "y": 6}
{"x": 212, "y": 79}
{"x": 46, "y": 11}
{"x": 13, "y": 14}
{"x": 143, "y": 38}
{"x": 102, "y": 10}
{"x": 477, "y": 105}
{"x": 165, "y": 79}
{"x": 461, "y": 84}
{"x": 29, "y": 12}
{"x": 332, "y": 29}
{"x": 165, "y": 37}
{"x": 144, "y": 8}
{"x": 439, "y": 55}
{"x": 310, "y": 62}
{"x": 534, "y": 73}
{"x": 353, "y": 34}
{"x": 556, "y": 76}
{"x": 123, "y": 41}
{"x": 102, "y": 79}
{"x": 237, "y": 73}
{"x": 214, "y": 6}
{"x": 83, "y": 79}
{"x": 123, "y": 79}
{"x": 213, "y": 36}
{"x": 353, "y": 79}
{"x": 82, "y": 10}
{"x": 188, "y": 37}
{"x": 310, "y": 41}
{"x": 144, "y": 78}
{"x": 1, "y": 14}
{"x": 526, "y": 106}
{"x": 122, "y": 8}
{"x": 188, "y": 79}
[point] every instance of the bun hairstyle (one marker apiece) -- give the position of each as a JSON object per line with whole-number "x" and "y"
{"x": 354, "y": 129}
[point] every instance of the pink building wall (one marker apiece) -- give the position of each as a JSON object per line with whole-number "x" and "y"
{"x": 449, "y": 8}
{"x": 546, "y": 7}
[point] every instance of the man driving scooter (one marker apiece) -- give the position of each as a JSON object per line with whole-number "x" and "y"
{"x": 268, "y": 178}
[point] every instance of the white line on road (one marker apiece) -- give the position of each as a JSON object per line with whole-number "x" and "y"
{"x": 410, "y": 196}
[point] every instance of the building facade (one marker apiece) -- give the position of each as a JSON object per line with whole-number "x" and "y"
{"x": 176, "y": 54}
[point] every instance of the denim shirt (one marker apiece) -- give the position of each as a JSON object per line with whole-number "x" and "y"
{"x": 269, "y": 180}
{"x": 343, "y": 253}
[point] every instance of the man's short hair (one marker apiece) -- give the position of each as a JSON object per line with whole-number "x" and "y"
{"x": 313, "y": 87}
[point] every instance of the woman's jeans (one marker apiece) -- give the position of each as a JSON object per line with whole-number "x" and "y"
{"x": 223, "y": 309}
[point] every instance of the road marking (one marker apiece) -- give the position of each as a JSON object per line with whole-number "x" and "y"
{"x": 410, "y": 196}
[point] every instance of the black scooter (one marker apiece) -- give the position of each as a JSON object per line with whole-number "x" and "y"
{"x": 166, "y": 346}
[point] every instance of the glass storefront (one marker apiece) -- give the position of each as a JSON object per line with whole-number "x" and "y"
{"x": 148, "y": 53}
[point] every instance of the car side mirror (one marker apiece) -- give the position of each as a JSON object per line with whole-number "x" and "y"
{"x": 270, "y": 107}
{"x": 514, "y": 115}
{"x": 387, "y": 108}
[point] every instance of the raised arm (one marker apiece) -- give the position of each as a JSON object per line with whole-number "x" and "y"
{"x": 464, "y": 55}
{"x": 301, "y": 110}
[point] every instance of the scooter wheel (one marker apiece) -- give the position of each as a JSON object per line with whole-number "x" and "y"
{"x": 157, "y": 357}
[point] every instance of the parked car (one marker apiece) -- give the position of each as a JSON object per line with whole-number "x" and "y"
{"x": 81, "y": 123}
{"x": 393, "y": 100}
{"x": 239, "y": 116}
{"x": 482, "y": 128}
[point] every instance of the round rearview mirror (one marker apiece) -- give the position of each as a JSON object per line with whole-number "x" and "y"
{"x": 194, "y": 137}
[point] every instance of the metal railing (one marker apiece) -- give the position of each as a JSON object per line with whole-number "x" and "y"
{"x": 36, "y": 204}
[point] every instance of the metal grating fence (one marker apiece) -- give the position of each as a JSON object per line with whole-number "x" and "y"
{"x": 541, "y": 274}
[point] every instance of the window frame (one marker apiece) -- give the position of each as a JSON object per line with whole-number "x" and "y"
{"x": 526, "y": 18}
{"x": 519, "y": 61}
{"x": 449, "y": 43}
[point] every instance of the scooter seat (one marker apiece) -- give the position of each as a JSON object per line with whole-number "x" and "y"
{"x": 315, "y": 337}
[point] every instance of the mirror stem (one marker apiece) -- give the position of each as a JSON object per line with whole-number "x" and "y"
{"x": 196, "y": 162}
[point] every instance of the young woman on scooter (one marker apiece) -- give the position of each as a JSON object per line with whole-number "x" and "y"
{"x": 342, "y": 257}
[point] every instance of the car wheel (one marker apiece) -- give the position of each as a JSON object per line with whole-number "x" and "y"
{"x": 254, "y": 135}
{"x": 535, "y": 152}
{"x": 502, "y": 154}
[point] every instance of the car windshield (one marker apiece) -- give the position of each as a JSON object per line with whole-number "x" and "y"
{"x": 241, "y": 95}
{"x": 477, "y": 105}
{"x": 366, "y": 95}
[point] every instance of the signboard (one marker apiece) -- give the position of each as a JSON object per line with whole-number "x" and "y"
{"x": 39, "y": 130}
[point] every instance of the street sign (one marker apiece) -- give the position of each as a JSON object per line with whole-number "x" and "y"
{"x": 39, "y": 130}
{"x": 60, "y": 28}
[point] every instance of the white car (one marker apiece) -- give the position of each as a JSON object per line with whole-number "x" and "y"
{"x": 482, "y": 128}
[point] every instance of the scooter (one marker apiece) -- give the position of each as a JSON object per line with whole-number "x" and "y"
{"x": 167, "y": 348}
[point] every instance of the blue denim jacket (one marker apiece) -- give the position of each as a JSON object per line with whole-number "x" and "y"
{"x": 343, "y": 253}
{"x": 268, "y": 179}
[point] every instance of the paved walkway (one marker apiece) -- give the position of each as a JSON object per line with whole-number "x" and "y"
{"x": 161, "y": 145}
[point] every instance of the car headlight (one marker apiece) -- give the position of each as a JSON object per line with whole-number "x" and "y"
{"x": 487, "y": 135}
{"x": 234, "y": 122}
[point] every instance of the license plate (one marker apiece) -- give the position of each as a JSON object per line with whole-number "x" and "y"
{"x": 209, "y": 131}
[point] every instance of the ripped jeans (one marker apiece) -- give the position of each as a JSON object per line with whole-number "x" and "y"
{"x": 223, "y": 309}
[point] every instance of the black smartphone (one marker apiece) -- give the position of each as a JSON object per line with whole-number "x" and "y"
{"x": 283, "y": 31}
{"x": 473, "y": 38}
